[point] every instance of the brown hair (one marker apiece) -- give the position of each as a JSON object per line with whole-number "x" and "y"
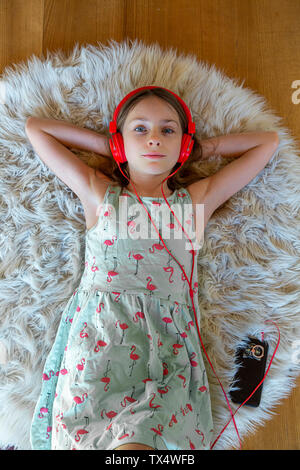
{"x": 188, "y": 173}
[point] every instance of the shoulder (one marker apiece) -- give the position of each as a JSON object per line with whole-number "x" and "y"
{"x": 199, "y": 195}
{"x": 98, "y": 186}
{"x": 198, "y": 191}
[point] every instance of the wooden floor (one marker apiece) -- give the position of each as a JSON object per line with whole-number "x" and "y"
{"x": 255, "y": 40}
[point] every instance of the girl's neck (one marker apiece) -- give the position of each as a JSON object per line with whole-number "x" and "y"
{"x": 150, "y": 193}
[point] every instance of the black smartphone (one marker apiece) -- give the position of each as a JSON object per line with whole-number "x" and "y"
{"x": 252, "y": 359}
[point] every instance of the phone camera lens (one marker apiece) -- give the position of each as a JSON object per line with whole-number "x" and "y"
{"x": 258, "y": 351}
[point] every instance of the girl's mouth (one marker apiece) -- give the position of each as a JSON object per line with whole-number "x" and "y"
{"x": 154, "y": 156}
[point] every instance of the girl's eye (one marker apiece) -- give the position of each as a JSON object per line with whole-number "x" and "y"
{"x": 139, "y": 127}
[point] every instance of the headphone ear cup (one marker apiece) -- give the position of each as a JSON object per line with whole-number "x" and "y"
{"x": 116, "y": 144}
{"x": 187, "y": 144}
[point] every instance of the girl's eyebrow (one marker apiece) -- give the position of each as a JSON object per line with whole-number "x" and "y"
{"x": 146, "y": 120}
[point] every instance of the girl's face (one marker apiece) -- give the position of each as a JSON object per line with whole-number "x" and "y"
{"x": 147, "y": 131}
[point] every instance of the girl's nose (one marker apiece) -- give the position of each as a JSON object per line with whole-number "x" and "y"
{"x": 154, "y": 141}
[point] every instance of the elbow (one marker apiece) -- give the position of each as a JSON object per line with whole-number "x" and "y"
{"x": 275, "y": 138}
{"x": 27, "y": 123}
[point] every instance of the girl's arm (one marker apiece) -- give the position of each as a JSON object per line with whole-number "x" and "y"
{"x": 254, "y": 149}
{"x": 72, "y": 136}
{"x": 49, "y": 139}
{"x": 234, "y": 145}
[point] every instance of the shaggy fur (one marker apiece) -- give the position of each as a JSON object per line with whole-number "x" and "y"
{"x": 248, "y": 266}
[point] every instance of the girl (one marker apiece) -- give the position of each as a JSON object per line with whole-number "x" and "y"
{"x": 126, "y": 369}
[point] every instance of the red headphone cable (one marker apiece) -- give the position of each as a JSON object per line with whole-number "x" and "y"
{"x": 191, "y": 290}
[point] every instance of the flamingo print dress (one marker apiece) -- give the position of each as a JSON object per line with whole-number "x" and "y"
{"x": 126, "y": 364}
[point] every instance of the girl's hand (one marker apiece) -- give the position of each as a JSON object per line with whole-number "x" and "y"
{"x": 103, "y": 147}
{"x": 208, "y": 148}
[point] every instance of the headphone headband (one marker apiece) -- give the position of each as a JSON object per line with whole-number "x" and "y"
{"x": 113, "y": 123}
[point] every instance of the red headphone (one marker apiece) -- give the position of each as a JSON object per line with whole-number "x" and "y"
{"x": 117, "y": 147}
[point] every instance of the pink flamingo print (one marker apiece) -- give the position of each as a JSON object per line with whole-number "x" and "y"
{"x": 173, "y": 420}
{"x": 110, "y": 415}
{"x": 98, "y": 309}
{"x": 62, "y": 372}
{"x": 156, "y": 203}
{"x": 167, "y": 320}
{"x": 108, "y": 212}
{"x": 159, "y": 343}
{"x": 203, "y": 388}
{"x": 156, "y": 246}
{"x": 137, "y": 316}
{"x": 166, "y": 370}
{"x": 150, "y": 341}
{"x": 164, "y": 390}
{"x": 101, "y": 344}
{"x": 106, "y": 379}
{"x": 69, "y": 319}
{"x": 42, "y": 412}
{"x": 159, "y": 429}
{"x": 148, "y": 379}
{"x": 177, "y": 346}
{"x": 80, "y": 366}
{"x": 137, "y": 257}
{"x": 189, "y": 221}
{"x": 190, "y": 323}
{"x": 79, "y": 400}
{"x": 158, "y": 432}
{"x": 129, "y": 399}
{"x": 123, "y": 327}
{"x": 201, "y": 434}
{"x": 184, "y": 380}
{"x": 150, "y": 287}
{"x": 131, "y": 224}
{"x": 82, "y": 334}
{"x": 48, "y": 377}
{"x": 155, "y": 407}
{"x": 126, "y": 435}
{"x": 192, "y": 446}
{"x": 80, "y": 433}
{"x": 134, "y": 357}
{"x": 49, "y": 429}
{"x": 110, "y": 275}
{"x": 170, "y": 269}
{"x": 151, "y": 402}
{"x": 94, "y": 268}
{"x": 109, "y": 243}
{"x": 193, "y": 363}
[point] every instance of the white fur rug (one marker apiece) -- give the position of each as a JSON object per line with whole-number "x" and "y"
{"x": 249, "y": 264}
